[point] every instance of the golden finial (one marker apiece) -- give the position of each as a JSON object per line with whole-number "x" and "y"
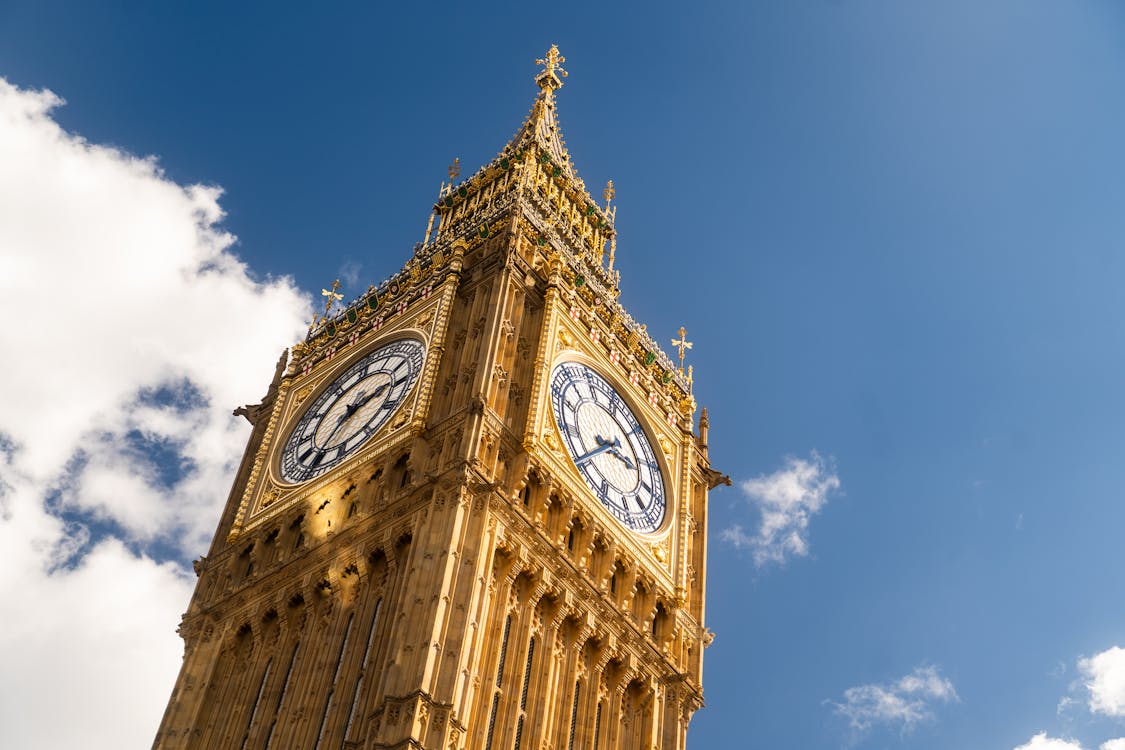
{"x": 549, "y": 78}
{"x": 454, "y": 170}
{"x": 609, "y": 193}
{"x": 331, "y": 297}
{"x": 690, "y": 377}
{"x": 682, "y": 344}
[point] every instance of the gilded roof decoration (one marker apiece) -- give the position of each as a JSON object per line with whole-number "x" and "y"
{"x": 535, "y": 172}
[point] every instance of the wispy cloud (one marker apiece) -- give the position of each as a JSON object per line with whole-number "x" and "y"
{"x": 117, "y": 444}
{"x": 786, "y": 500}
{"x": 349, "y": 273}
{"x": 901, "y": 704}
{"x": 1104, "y": 675}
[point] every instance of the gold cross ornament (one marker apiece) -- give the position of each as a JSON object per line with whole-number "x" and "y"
{"x": 332, "y": 297}
{"x": 682, "y": 344}
{"x": 609, "y": 193}
{"x": 552, "y": 61}
{"x": 454, "y": 170}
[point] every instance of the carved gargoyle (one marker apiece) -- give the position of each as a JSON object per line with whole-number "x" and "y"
{"x": 255, "y": 412}
{"x": 715, "y": 478}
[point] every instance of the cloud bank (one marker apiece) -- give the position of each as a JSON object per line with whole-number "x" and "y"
{"x": 1042, "y": 742}
{"x": 1104, "y": 675}
{"x": 131, "y": 330}
{"x": 786, "y": 501}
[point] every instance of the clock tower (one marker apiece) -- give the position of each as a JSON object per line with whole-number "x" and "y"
{"x": 472, "y": 511}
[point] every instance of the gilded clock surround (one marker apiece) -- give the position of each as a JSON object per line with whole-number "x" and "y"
{"x": 454, "y": 583}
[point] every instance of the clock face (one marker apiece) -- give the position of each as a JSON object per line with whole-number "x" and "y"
{"x": 351, "y": 410}
{"x": 608, "y": 445}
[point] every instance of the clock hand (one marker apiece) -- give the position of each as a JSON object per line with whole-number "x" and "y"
{"x": 364, "y": 399}
{"x": 351, "y": 409}
{"x": 361, "y": 401}
{"x": 624, "y": 459}
{"x": 603, "y": 446}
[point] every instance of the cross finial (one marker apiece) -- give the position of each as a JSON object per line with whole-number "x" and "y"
{"x": 682, "y": 344}
{"x": 454, "y": 170}
{"x": 609, "y": 193}
{"x": 552, "y": 73}
{"x": 331, "y": 297}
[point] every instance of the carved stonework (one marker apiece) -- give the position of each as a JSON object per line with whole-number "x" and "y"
{"x": 457, "y": 561}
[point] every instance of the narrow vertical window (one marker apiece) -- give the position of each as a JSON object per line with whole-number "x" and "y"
{"x": 523, "y": 695}
{"x": 574, "y": 715}
{"x": 503, "y": 651}
{"x": 281, "y": 694}
{"x": 257, "y": 700}
{"x": 597, "y": 727}
{"x": 248, "y": 561}
{"x": 335, "y": 675}
{"x": 362, "y": 670}
{"x": 499, "y": 679}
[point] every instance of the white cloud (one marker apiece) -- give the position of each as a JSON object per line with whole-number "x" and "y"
{"x": 1042, "y": 742}
{"x": 1105, "y": 681}
{"x": 786, "y": 499}
{"x": 130, "y": 332}
{"x": 903, "y": 703}
{"x": 1117, "y": 744}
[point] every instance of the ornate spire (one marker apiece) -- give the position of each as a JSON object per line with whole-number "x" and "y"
{"x": 541, "y": 125}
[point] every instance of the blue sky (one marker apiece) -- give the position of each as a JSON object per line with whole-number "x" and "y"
{"x": 893, "y": 231}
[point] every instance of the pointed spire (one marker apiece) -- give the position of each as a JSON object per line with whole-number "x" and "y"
{"x": 541, "y": 125}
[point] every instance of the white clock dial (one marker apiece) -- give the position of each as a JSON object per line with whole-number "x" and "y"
{"x": 351, "y": 410}
{"x": 608, "y": 446}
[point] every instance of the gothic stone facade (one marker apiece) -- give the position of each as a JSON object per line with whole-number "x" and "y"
{"x": 453, "y": 582}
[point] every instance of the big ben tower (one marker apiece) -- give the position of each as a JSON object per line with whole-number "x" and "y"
{"x": 472, "y": 512}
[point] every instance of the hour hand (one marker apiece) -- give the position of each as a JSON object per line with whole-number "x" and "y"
{"x": 603, "y": 446}
{"x": 615, "y": 443}
{"x": 352, "y": 408}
